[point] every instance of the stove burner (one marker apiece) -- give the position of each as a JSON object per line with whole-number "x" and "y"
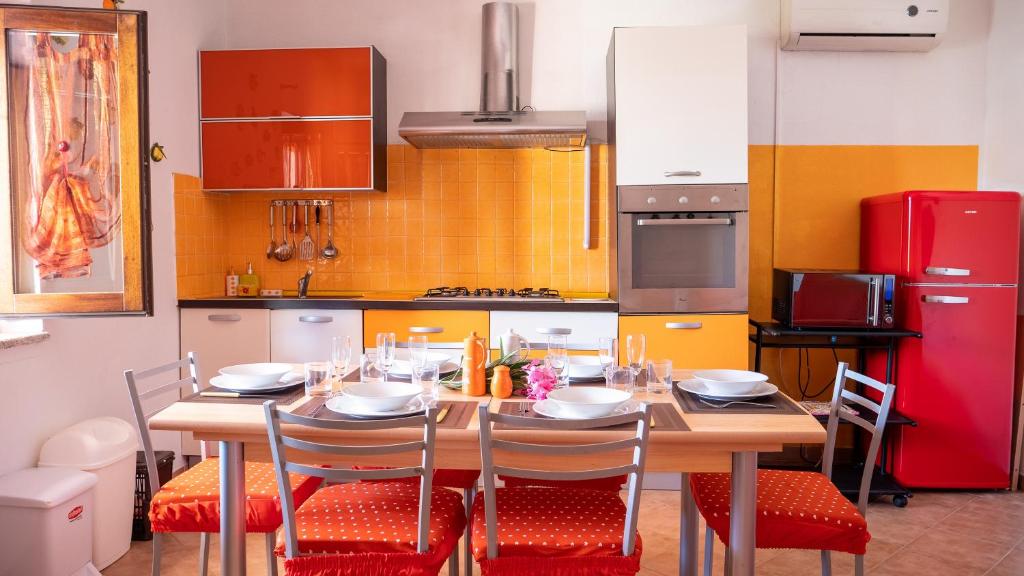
{"x": 463, "y": 292}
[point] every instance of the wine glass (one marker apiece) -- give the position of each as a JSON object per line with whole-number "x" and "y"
{"x": 607, "y": 351}
{"x": 386, "y": 351}
{"x": 341, "y": 356}
{"x": 418, "y": 350}
{"x": 636, "y": 349}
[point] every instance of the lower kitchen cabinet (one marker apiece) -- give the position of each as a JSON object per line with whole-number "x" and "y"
{"x": 690, "y": 340}
{"x": 455, "y": 324}
{"x": 298, "y": 336}
{"x": 587, "y": 327}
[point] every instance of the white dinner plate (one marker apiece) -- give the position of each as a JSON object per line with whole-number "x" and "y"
{"x": 699, "y": 388}
{"x": 551, "y": 410}
{"x": 404, "y": 367}
{"x": 344, "y": 405}
{"x": 287, "y": 381}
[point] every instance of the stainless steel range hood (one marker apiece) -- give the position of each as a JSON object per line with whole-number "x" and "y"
{"x": 500, "y": 123}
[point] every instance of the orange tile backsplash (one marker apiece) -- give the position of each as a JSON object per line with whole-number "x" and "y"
{"x": 497, "y": 218}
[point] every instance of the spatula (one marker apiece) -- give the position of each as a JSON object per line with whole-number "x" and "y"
{"x": 306, "y": 247}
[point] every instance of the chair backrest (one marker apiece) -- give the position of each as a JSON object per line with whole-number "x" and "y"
{"x": 635, "y": 469}
{"x": 282, "y": 465}
{"x": 874, "y": 424}
{"x": 132, "y": 378}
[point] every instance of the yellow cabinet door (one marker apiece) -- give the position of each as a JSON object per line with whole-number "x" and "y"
{"x": 691, "y": 340}
{"x": 456, "y": 324}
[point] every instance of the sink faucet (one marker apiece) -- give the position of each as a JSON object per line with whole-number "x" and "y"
{"x": 304, "y": 283}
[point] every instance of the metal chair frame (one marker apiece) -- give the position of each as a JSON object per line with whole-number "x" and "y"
{"x": 881, "y": 412}
{"x": 131, "y": 378}
{"x": 279, "y": 441}
{"x": 635, "y": 469}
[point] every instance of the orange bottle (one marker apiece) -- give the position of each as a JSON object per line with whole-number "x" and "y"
{"x": 501, "y": 382}
{"x": 474, "y": 366}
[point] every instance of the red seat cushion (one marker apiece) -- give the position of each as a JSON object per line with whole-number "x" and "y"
{"x": 443, "y": 477}
{"x": 794, "y": 510}
{"x": 370, "y": 527}
{"x": 610, "y": 484}
{"x": 190, "y": 502}
{"x": 555, "y": 531}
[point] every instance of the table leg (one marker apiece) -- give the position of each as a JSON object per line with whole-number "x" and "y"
{"x": 232, "y": 509}
{"x": 743, "y": 515}
{"x": 689, "y": 526}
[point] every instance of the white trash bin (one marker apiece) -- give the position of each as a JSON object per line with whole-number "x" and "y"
{"x": 46, "y": 524}
{"x": 106, "y": 447}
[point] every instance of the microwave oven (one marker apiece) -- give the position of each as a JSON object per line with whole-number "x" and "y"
{"x": 833, "y": 299}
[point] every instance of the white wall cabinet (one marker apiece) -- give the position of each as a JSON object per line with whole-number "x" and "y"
{"x": 298, "y": 336}
{"x": 678, "y": 103}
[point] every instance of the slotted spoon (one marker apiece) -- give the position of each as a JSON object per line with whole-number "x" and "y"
{"x": 306, "y": 247}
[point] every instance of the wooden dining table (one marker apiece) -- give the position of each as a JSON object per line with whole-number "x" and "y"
{"x": 708, "y": 441}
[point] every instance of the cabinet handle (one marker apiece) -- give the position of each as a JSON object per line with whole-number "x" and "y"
{"x": 425, "y": 329}
{"x": 316, "y": 319}
{"x": 224, "y": 317}
{"x": 671, "y": 173}
{"x": 946, "y": 271}
{"x": 684, "y": 221}
{"x": 684, "y": 325}
{"x": 946, "y": 299}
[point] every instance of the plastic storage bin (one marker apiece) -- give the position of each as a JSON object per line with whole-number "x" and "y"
{"x": 106, "y": 447}
{"x": 46, "y": 526}
{"x": 141, "y": 528}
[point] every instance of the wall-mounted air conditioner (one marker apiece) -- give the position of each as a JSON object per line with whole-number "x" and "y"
{"x": 864, "y": 25}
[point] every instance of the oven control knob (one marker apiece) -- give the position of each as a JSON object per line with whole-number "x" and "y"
{"x": 716, "y": 200}
{"x": 651, "y": 199}
{"x": 683, "y": 200}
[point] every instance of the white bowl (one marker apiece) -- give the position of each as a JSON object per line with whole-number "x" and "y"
{"x": 585, "y": 367}
{"x": 381, "y": 396}
{"x": 730, "y": 381}
{"x": 255, "y": 375}
{"x": 588, "y": 401}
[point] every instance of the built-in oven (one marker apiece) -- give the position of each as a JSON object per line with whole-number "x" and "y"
{"x": 682, "y": 248}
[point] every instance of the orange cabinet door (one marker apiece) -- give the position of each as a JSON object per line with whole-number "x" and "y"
{"x": 286, "y": 82}
{"x": 692, "y": 340}
{"x": 456, "y": 324}
{"x": 287, "y": 154}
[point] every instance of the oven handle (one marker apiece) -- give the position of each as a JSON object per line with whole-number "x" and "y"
{"x": 684, "y": 222}
{"x": 684, "y": 325}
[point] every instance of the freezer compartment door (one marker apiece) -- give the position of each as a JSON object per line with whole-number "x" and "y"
{"x": 963, "y": 237}
{"x": 957, "y": 383}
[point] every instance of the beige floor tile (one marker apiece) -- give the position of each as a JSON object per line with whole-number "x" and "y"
{"x": 1011, "y": 565}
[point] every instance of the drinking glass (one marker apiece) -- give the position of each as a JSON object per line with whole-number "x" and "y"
{"x": 318, "y": 378}
{"x": 385, "y": 351}
{"x": 560, "y": 364}
{"x": 341, "y": 356}
{"x": 619, "y": 377}
{"x": 428, "y": 377}
{"x": 636, "y": 348}
{"x": 607, "y": 351}
{"x": 369, "y": 369}
{"x": 659, "y": 376}
{"x": 417, "y": 350}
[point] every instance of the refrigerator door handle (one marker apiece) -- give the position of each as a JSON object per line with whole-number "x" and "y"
{"x": 946, "y": 271}
{"x": 945, "y": 299}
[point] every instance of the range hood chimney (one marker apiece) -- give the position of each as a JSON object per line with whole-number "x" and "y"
{"x": 500, "y": 122}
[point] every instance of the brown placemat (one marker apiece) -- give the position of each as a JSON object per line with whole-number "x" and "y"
{"x": 286, "y": 396}
{"x": 458, "y": 417}
{"x": 665, "y": 417}
{"x": 691, "y": 404}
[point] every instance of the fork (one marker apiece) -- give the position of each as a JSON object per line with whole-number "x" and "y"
{"x": 727, "y": 404}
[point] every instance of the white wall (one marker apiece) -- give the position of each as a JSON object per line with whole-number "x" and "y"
{"x": 77, "y": 373}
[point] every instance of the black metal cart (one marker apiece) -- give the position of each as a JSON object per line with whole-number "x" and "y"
{"x": 846, "y": 477}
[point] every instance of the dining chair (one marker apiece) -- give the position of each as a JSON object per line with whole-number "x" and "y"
{"x": 805, "y": 509}
{"x": 547, "y": 531}
{"x": 190, "y": 502}
{"x": 357, "y": 527}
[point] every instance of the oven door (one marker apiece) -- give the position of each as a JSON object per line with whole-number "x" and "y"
{"x": 683, "y": 261}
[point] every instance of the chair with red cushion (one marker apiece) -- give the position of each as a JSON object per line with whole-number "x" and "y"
{"x": 805, "y": 509}
{"x": 190, "y": 502}
{"x": 365, "y": 528}
{"x": 564, "y": 530}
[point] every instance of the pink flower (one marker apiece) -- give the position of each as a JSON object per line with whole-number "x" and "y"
{"x": 541, "y": 379}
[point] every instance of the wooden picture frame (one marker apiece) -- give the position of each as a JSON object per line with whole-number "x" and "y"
{"x": 131, "y": 228}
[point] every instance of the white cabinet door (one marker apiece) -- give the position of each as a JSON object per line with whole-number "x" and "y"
{"x": 305, "y": 335}
{"x": 680, "y": 105}
{"x": 587, "y": 327}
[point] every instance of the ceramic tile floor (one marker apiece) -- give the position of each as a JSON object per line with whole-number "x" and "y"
{"x": 938, "y": 534}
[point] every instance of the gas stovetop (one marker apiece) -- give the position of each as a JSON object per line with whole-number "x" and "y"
{"x": 445, "y": 293}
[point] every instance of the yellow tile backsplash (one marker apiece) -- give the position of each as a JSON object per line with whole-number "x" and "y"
{"x": 497, "y": 218}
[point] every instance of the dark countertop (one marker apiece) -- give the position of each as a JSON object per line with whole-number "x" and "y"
{"x": 374, "y": 302}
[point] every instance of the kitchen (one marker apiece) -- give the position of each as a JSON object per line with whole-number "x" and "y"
{"x": 813, "y": 118}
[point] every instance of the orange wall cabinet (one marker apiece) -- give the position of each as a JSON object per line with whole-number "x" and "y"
{"x": 294, "y": 119}
{"x": 697, "y": 341}
{"x": 457, "y": 324}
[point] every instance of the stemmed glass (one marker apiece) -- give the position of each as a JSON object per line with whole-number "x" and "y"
{"x": 386, "y": 351}
{"x": 607, "y": 351}
{"x": 418, "y": 350}
{"x": 636, "y": 349}
{"x": 341, "y": 356}
{"x": 558, "y": 357}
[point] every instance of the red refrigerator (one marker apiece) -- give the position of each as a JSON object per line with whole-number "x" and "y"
{"x": 956, "y": 257}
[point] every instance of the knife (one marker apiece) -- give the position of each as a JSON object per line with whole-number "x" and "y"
{"x": 443, "y": 413}
{"x": 234, "y": 395}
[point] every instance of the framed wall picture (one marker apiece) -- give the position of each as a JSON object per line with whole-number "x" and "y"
{"x": 74, "y": 174}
